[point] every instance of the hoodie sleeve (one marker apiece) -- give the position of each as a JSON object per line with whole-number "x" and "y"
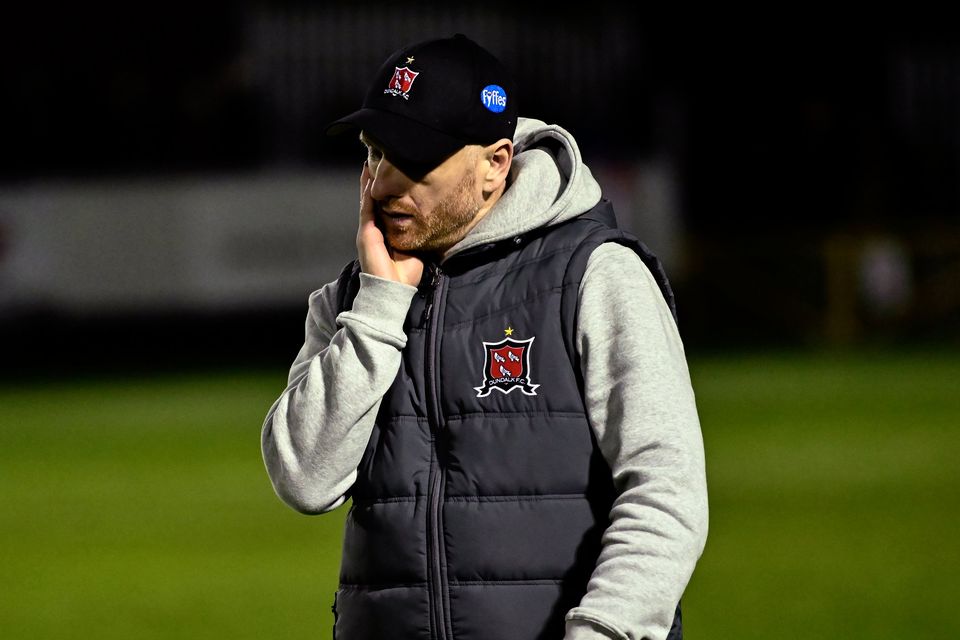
{"x": 316, "y": 432}
{"x": 641, "y": 405}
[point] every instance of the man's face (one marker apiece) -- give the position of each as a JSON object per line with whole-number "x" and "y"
{"x": 428, "y": 214}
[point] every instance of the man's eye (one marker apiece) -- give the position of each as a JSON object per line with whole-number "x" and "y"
{"x": 374, "y": 154}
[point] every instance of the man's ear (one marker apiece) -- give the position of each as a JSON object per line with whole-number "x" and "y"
{"x": 497, "y": 160}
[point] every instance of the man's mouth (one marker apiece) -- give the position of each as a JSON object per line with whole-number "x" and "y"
{"x": 396, "y": 220}
{"x": 395, "y": 214}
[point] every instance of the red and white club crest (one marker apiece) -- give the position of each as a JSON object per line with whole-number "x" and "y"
{"x": 507, "y": 367}
{"x": 401, "y": 81}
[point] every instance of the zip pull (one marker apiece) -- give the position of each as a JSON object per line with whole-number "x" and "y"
{"x": 435, "y": 275}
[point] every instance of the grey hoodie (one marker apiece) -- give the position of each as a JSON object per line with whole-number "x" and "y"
{"x": 637, "y": 391}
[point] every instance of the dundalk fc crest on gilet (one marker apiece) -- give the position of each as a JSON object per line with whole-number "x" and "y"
{"x": 507, "y": 367}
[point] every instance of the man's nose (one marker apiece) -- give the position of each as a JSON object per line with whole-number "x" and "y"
{"x": 388, "y": 181}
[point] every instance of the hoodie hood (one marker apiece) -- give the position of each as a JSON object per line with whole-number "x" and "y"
{"x": 548, "y": 184}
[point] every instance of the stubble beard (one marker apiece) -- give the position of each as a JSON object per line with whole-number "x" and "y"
{"x": 446, "y": 225}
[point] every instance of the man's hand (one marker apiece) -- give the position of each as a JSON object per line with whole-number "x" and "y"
{"x": 376, "y": 257}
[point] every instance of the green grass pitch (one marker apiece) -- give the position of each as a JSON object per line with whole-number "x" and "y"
{"x": 141, "y": 509}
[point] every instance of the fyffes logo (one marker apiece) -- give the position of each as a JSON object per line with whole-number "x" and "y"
{"x": 494, "y": 98}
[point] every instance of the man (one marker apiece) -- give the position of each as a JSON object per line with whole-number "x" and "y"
{"x": 497, "y": 383}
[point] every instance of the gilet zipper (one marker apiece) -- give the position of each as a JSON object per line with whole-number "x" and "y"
{"x": 438, "y": 583}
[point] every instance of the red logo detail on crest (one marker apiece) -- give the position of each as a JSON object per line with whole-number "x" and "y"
{"x": 402, "y": 80}
{"x": 506, "y": 362}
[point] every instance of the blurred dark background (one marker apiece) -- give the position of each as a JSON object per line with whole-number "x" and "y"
{"x": 168, "y": 198}
{"x": 168, "y": 202}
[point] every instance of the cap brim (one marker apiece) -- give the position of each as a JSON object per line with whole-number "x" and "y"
{"x": 412, "y": 146}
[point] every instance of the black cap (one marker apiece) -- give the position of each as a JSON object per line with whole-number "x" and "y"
{"x": 430, "y": 99}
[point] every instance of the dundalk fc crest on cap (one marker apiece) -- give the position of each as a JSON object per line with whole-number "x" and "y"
{"x": 401, "y": 82}
{"x": 507, "y": 367}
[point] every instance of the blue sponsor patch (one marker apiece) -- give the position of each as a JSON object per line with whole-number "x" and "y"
{"x": 494, "y": 98}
